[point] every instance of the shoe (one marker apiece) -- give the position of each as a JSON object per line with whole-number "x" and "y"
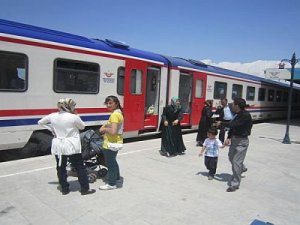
{"x": 244, "y": 170}
{"x": 107, "y": 187}
{"x": 210, "y": 177}
{"x": 163, "y": 153}
{"x": 232, "y": 188}
{"x": 65, "y": 192}
{"x": 90, "y": 191}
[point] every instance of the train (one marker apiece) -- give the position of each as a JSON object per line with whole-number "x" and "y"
{"x": 38, "y": 66}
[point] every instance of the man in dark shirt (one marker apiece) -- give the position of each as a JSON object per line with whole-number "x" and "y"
{"x": 240, "y": 128}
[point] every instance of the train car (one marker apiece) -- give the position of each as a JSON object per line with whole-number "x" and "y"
{"x": 38, "y": 66}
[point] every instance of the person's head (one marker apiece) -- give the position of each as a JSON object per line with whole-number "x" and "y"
{"x": 239, "y": 104}
{"x": 212, "y": 133}
{"x": 175, "y": 101}
{"x": 66, "y": 105}
{"x": 209, "y": 103}
{"x": 112, "y": 103}
{"x": 224, "y": 101}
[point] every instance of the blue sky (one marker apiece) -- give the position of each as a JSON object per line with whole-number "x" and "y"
{"x": 240, "y": 31}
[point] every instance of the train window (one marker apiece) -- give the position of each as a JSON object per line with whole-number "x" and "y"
{"x": 185, "y": 91}
{"x": 285, "y": 97}
{"x": 13, "y": 72}
{"x": 270, "y": 95}
{"x": 237, "y": 91}
{"x": 120, "y": 80}
{"x": 220, "y": 90}
{"x": 199, "y": 89}
{"x": 250, "y": 93}
{"x": 136, "y": 82}
{"x": 261, "y": 94}
{"x": 76, "y": 77}
{"x": 278, "y": 96}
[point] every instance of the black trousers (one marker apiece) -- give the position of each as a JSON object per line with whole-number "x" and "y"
{"x": 77, "y": 162}
{"x": 211, "y": 164}
{"x": 223, "y": 129}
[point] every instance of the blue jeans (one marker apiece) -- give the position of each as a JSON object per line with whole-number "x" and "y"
{"x": 76, "y": 161}
{"x": 113, "y": 173}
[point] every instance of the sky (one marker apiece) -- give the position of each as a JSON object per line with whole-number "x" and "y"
{"x": 244, "y": 35}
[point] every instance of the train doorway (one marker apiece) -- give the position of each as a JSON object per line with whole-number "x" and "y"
{"x": 185, "y": 96}
{"x": 152, "y": 98}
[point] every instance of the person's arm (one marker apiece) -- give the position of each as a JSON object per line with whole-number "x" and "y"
{"x": 45, "y": 122}
{"x": 79, "y": 123}
{"x": 164, "y": 117}
{"x": 202, "y": 151}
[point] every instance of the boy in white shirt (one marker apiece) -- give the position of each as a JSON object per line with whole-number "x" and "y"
{"x": 211, "y": 147}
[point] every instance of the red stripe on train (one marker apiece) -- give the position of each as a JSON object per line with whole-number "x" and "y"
{"x": 31, "y": 112}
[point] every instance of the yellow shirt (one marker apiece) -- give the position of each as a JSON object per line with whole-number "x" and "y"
{"x": 115, "y": 117}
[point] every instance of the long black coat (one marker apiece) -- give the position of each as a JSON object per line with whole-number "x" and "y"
{"x": 204, "y": 124}
{"x": 171, "y": 139}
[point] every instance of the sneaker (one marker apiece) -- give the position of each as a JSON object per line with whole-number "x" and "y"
{"x": 107, "y": 187}
{"x": 244, "y": 170}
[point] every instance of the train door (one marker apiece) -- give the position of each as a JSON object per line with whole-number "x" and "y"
{"x": 134, "y": 95}
{"x": 152, "y": 98}
{"x": 198, "y": 97}
{"x": 185, "y": 96}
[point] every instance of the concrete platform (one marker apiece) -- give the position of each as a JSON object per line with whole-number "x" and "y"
{"x": 159, "y": 190}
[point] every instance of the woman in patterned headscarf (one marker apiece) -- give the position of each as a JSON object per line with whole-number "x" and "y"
{"x": 65, "y": 126}
{"x": 171, "y": 139}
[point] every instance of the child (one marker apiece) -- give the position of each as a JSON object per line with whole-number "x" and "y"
{"x": 211, "y": 147}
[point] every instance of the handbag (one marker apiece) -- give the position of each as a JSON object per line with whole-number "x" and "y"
{"x": 114, "y": 146}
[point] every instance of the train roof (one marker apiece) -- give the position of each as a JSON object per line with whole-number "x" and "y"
{"x": 177, "y": 62}
{"x": 110, "y": 46}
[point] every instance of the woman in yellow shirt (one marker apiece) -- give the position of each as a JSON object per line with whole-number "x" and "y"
{"x": 113, "y": 141}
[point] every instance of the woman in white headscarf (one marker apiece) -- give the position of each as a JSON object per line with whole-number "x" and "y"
{"x": 65, "y": 126}
{"x": 171, "y": 139}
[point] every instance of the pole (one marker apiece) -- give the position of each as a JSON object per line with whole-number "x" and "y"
{"x": 286, "y": 139}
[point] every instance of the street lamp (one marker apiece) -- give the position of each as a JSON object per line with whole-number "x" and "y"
{"x": 293, "y": 61}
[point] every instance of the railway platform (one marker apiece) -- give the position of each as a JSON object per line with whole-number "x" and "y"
{"x": 158, "y": 190}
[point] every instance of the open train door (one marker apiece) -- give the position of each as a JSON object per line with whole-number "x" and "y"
{"x": 134, "y": 95}
{"x": 198, "y": 96}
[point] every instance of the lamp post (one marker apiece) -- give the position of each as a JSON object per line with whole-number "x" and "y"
{"x": 293, "y": 61}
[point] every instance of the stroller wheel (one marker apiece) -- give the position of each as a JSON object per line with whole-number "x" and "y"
{"x": 102, "y": 172}
{"x": 92, "y": 177}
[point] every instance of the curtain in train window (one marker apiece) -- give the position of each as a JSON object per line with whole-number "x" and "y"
{"x": 76, "y": 77}
{"x": 237, "y": 91}
{"x": 13, "y": 72}
{"x": 136, "y": 82}
{"x": 220, "y": 90}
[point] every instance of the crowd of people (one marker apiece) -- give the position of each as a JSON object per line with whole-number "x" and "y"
{"x": 65, "y": 126}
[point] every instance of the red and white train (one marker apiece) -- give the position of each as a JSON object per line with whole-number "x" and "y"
{"x": 38, "y": 66}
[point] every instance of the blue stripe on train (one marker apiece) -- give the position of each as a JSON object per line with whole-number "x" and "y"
{"x": 33, "y": 121}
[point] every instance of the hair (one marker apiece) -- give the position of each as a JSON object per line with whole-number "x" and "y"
{"x": 209, "y": 102}
{"x": 240, "y": 102}
{"x": 225, "y": 99}
{"x": 66, "y": 104}
{"x": 213, "y": 131}
{"x": 115, "y": 100}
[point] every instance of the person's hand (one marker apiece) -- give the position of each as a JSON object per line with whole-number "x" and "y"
{"x": 166, "y": 123}
{"x": 227, "y": 141}
{"x": 200, "y": 154}
{"x": 102, "y": 129}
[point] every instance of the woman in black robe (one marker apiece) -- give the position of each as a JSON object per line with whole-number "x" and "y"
{"x": 205, "y": 122}
{"x": 171, "y": 139}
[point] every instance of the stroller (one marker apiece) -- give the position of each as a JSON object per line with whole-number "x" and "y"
{"x": 92, "y": 156}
